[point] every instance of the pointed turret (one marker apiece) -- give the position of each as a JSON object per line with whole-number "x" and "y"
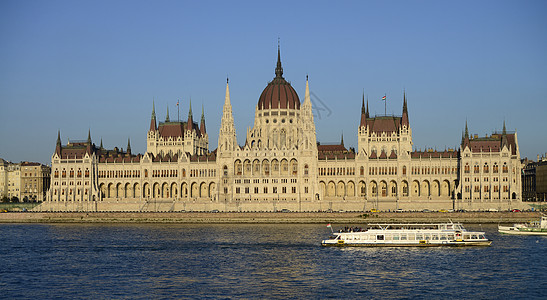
{"x": 128, "y": 146}
{"x": 167, "y": 116}
{"x": 279, "y": 68}
{"x": 307, "y": 99}
{"x": 227, "y": 97}
{"x": 58, "y": 146}
{"x": 88, "y": 143}
{"x": 101, "y": 146}
{"x": 363, "y": 112}
{"x": 227, "y": 134}
{"x": 202, "y": 125}
{"x": 465, "y": 139}
{"x": 368, "y": 111}
{"x": 342, "y": 140}
{"x": 190, "y": 124}
{"x": 404, "y": 119}
{"x": 153, "y": 126}
{"x": 504, "y": 141}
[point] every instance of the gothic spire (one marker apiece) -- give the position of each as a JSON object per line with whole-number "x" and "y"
{"x": 128, "y": 146}
{"x": 202, "y": 125}
{"x": 466, "y": 130}
{"x": 190, "y": 124}
{"x": 167, "y": 116}
{"x": 405, "y": 111}
{"x": 89, "y": 137}
{"x": 342, "y": 140}
{"x": 307, "y": 99}
{"x": 278, "y": 69}
{"x": 368, "y": 111}
{"x": 363, "y": 111}
{"x": 153, "y": 118}
{"x": 227, "y": 97}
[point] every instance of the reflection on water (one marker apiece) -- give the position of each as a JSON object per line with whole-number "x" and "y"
{"x": 255, "y": 261}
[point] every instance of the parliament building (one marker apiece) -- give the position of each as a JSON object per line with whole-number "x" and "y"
{"x": 282, "y": 167}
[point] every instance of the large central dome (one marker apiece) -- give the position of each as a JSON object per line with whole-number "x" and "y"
{"x": 279, "y": 94}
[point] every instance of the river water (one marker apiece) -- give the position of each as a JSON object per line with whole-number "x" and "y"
{"x": 211, "y": 261}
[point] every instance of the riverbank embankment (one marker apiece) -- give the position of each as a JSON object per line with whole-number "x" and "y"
{"x": 265, "y": 217}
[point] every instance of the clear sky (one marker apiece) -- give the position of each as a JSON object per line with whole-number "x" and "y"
{"x": 76, "y": 66}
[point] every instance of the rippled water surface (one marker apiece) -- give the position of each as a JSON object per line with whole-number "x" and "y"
{"x": 256, "y": 261}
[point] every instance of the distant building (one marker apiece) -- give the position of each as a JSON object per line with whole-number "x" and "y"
{"x": 35, "y": 180}
{"x": 534, "y": 180}
{"x": 282, "y": 167}
{"x": 26, "y": 181}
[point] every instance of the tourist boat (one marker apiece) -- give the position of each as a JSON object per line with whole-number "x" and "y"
{"x": 407, "y": 235}
{"x": 531, "y": 228}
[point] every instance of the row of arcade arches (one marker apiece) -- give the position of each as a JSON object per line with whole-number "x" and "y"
{"x": 385, "y": 188}
{"x": 158, "y": 190}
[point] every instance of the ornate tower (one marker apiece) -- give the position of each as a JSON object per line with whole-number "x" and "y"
{"x": 227, "y": 141}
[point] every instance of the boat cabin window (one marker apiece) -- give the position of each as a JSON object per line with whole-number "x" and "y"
{"x": 434, "y": 237}
{"x": 380, "y": 237}
{"x": 450, "y": 236}
{"x": 443, "y": 237}
{"x": 403, "y": 236}
{"x": 474, "y": 237}
{"x": 419, "y": 236}
{"x": 482, "y": 237}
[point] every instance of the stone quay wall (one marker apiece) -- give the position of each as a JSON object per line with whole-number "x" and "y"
{"x": 266, "y": 218}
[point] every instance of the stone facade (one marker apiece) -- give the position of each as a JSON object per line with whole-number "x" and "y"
{"x": 27, "y": 181}
{"x": 282, "y": 167}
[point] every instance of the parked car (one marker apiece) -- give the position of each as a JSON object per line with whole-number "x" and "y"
{"x": 515, "y": 210}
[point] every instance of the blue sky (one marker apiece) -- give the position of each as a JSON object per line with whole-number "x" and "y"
{"x": 76, "y": 66}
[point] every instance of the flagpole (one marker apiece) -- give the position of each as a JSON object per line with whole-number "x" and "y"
{"x": 385, "y": 105}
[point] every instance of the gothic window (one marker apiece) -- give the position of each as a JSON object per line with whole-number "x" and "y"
{"x": 485, "y": 169}
{"x": 505, "y": 169}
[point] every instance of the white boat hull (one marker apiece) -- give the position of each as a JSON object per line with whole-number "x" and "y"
{"x": 332, "y": 243}
{"x": 521, "y": 231}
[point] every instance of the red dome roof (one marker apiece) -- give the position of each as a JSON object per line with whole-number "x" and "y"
{"x": 279, "y": 93}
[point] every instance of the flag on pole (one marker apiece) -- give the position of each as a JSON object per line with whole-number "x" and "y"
{"x": 384, "y": 98}
{"x": 177, "y": 102}
{"x": 329, "y": 226}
